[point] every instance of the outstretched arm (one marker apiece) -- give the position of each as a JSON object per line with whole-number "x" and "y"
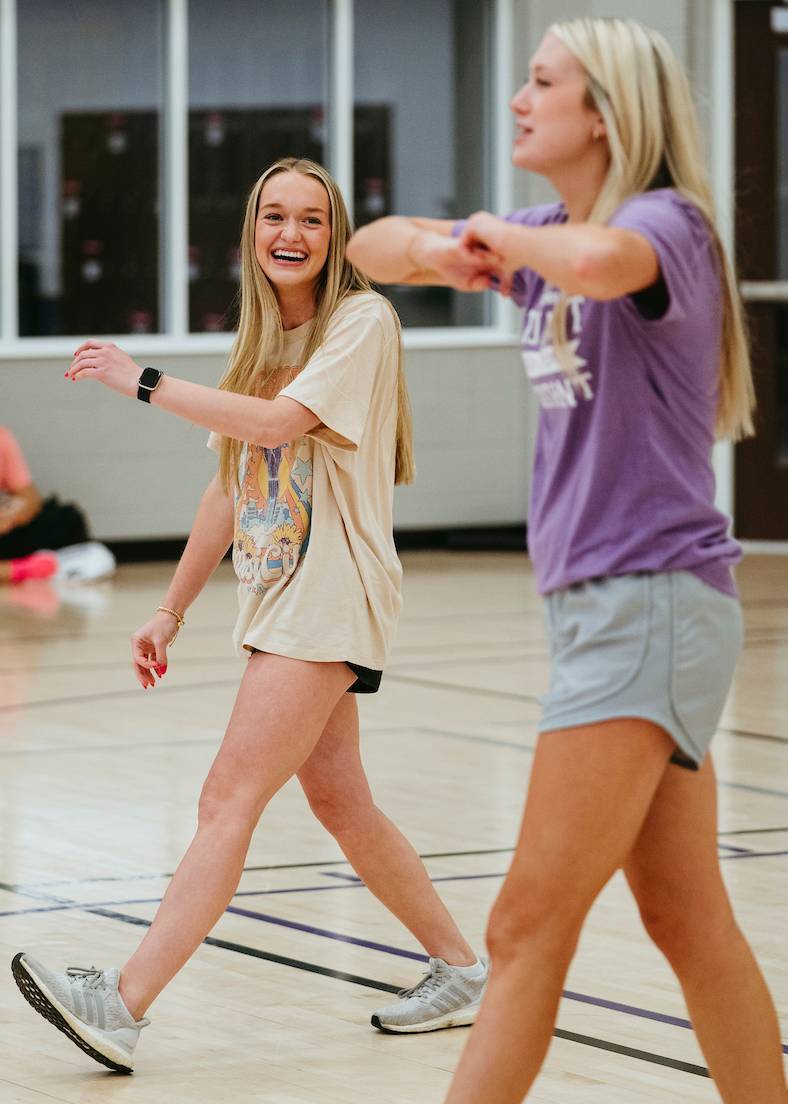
{"x": 600, "y": 262}
{"x": 268, "y": 422}
{"x": 398, "y": 250}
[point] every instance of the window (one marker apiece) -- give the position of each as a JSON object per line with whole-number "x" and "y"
{"x": 257, "y": 75}
{"x": 89, "y": 91}
{"x": 139, "y": 129}
{"x": 421, "y": 74}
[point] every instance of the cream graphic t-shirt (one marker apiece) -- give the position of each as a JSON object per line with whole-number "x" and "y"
{"x": 319, "y": 577}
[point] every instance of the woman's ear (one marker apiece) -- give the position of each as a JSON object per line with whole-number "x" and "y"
{"x": 599, "y": 129}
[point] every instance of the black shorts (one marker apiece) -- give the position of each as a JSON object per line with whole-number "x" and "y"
{"x": 367, "y": 680}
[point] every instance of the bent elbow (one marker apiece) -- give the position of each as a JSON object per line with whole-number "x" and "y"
{"x": 591, "y": 270}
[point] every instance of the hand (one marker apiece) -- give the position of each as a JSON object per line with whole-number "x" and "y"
{"x": 149, "y": 647}
{"x": 105, "y": 362}
{"x": 460, "y": 268}
{"x": 487, "y": 237}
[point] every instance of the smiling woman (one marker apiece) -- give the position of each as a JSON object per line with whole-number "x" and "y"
{"x": 312, "y": 422}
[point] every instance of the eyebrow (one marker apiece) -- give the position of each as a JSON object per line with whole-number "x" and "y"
{"x": 539, "y": 68}
{"x": 305, "y": 210}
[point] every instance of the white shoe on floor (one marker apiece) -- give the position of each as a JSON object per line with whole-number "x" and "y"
{"x": 86, "y": 1006}
{"x": 84, "y": 563}
{"x": 445, "y": 997}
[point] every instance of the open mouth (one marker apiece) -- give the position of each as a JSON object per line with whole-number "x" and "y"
{"x": 289, "y": 256}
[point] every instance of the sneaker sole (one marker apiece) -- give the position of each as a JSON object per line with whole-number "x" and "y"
{"x": 463, "y": 1017}
{"x": 39, "y": 998}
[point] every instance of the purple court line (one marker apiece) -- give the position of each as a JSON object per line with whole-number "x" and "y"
{"x": 346, "y": 881}
{"x": 568, "y": 994}
{"x": 70, "y": 906}
{"x": 599, "y": 1002}
{"x": 326, "y": 934}
{"x": 754, "y": 855}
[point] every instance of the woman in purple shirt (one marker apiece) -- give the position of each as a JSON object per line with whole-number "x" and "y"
{"x": 633, "y": 341}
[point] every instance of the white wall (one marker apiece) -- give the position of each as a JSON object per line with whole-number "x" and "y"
{"x": 139, "y": 472}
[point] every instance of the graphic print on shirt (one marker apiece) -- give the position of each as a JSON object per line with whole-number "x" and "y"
{"x": 561, "y": 390}
{"x": 273, "y": 512}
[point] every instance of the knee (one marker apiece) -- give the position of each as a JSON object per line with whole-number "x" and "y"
{"x": 535, "y": 914}
{"x": 686, "y": 930}
{"x": 222, "y": 806}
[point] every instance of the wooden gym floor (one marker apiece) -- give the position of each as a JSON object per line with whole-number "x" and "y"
{"x": 97, "y": 804}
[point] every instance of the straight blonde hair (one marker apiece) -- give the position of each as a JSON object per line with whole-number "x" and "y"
{"x": 638, "y": 86}
{"x": 257, "y": 350}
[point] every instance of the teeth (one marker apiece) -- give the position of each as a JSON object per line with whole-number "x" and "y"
{"x": 286, "y": 255}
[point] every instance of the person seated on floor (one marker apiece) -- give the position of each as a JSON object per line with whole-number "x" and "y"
{"x": 41, "y": 538}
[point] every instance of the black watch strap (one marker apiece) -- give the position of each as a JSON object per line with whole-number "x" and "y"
{"x": 148, "y": 382}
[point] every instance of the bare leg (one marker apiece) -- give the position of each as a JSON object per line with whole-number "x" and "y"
{"x": 338, "y": 792}
{"x": 589, "y": 793}
{"x": 281, "y": 709}
{"x": 675, "y": 875}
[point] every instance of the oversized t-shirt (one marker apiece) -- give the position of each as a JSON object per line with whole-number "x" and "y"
{"x": 622, "y": 479}
{"x": 313, "y": 547}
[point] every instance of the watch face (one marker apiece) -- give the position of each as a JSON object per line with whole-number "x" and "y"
{"x": 150, "y": 377}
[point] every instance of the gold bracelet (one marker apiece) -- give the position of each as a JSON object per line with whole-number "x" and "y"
{"x": 177, "y": 616}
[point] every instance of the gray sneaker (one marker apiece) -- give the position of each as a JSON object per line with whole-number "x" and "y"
{"x": 86, "y": 1006}
{"x": 445, "y": 997}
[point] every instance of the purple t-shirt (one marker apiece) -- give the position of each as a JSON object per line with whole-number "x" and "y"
{"x": 622, "y": 477}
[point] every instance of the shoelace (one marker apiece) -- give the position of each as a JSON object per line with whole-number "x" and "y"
{"x": 86, "y": 979}
{"x": 423, "y": 989}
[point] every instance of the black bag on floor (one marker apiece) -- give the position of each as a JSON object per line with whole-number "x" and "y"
{"x": 56, "y": 525}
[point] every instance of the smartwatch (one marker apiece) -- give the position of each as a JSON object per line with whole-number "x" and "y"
{"x": 148, "y": 382}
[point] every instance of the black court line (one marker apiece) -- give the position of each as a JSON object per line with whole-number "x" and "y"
{"x": 385, "y": 987}
{"x": 455, "y": 661}
{"x": 268, "y": 956}
{"x": 22, "y": 887}
{"x": 484, "y": 692}
{"x": 107, "y": 695}
{"x": 631, "y": 1052}
{"x": 747, "y": 734}
{"x": 114, "y": 664}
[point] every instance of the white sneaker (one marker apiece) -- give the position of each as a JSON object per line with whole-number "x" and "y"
{"x": 86, "y": 1006}
{"x": 84, "y": 563}
{"x": 445, "y": 997}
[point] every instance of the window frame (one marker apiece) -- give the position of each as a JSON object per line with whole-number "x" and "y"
{"x": 176, "y": 338}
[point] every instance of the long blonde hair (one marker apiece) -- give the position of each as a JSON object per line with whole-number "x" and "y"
{"x": 257, "y": 350}
{"x": 638, "y": 86}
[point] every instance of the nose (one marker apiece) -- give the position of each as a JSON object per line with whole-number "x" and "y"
{"x": 290, "y": 230}
{"x": 520, "y": 103}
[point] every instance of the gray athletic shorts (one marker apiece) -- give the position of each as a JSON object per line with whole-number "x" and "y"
{"x": 658, "y": 646}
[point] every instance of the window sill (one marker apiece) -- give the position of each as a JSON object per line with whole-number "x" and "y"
{"x": 149, "y": 345}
